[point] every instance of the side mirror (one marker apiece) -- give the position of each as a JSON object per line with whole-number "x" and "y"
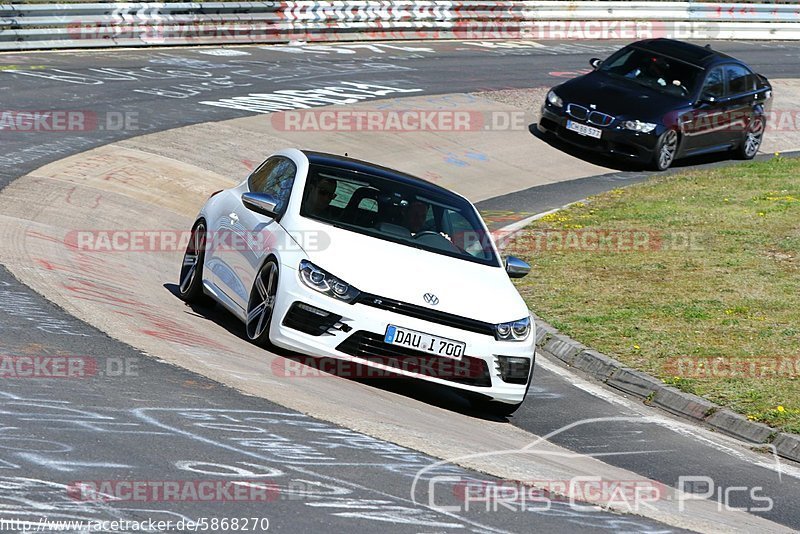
{"x": 261, "y": 203}
{"x": 516, "y": 268}
{"x": 595, "y": 63}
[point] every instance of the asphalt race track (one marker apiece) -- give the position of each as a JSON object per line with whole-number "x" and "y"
{"x": 326, "y": 467}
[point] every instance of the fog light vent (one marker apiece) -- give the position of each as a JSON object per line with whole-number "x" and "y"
{"x": 514, "y": 369}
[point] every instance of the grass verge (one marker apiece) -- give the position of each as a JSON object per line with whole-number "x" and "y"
{"x": 693, "y": 278}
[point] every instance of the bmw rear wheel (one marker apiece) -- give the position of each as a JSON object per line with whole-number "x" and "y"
{"x": 191, "y": 277}
{"x": 666, "y": 149}
{"x": 752, "y": 138}
{"x": 262, "y": 302}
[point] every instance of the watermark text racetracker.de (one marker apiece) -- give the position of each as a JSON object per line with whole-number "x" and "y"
{"x": 442, "y": 367}
{"x": 733, "y": 367}
{"x": 144, "y": 240}
{"x": 546, "y": 30}
{"x": 401, "y": 121}
{"x": 173, "y": 490}
{"x": 66, "y": 366}
{"x": 66, "y": 121}
{"x": 601, "y": 240}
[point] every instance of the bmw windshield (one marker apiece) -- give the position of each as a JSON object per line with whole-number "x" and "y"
{"x": 427, "y": 218}
{"x": 658, "y": 72}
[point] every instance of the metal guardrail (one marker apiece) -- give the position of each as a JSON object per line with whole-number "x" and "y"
{"x": 90, "y": 24}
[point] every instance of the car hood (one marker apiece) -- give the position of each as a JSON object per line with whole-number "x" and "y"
{"x": 405, "y": 273}
{"x": 619, "y": 97}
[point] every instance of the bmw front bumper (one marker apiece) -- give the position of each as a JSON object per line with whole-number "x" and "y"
{"x": 615, "y": 139}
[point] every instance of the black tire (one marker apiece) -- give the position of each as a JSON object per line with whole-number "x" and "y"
{"x": 666, "y": 150}
{"x": 502, "y": 409}
{"x": 751, "y": 141}
{"x": 190, "y": 282}
{"x": 499, "y": 409}
{"x": 261, "y": 303}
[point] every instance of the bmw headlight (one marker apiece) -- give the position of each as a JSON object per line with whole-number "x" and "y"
{"x": 639, "y": 126}
{"x": 324, "y": 282}
{"x": 554, "y": 99}
{"x": 513, "y": 331}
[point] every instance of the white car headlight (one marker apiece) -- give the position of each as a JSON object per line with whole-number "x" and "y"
{"x": 554, "y": 99}
{"x": 324, "y": 282}
{"x": 639, "y": 126}
{"x": 513, "y": 331}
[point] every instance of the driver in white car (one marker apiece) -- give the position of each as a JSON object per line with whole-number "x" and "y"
{"x": 322, "y": 194}
{"x": 415, "y": 215}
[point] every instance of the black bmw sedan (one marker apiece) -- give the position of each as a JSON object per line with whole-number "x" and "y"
{"x": 658, "y": 100}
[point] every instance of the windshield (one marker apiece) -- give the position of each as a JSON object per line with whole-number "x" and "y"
{"x": 415, "y": 216}
{"x": 653, "y": 70}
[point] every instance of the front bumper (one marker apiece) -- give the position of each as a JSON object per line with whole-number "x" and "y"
{"x": 615, "y": 139}
{"x": 356, "y": 327}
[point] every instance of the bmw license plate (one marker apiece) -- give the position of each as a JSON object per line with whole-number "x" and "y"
{"x": 420, "y": 341}
{"x": 583, "y": 129}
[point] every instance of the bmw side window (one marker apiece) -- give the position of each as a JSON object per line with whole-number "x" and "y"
{"x": 276, "y": 178}
{"x": 740, "y": 80}
{"x": 714, "y": 84}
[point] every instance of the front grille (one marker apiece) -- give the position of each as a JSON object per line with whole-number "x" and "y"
{"x": 315, "y": 323}
{"x": 592, "y": 117}
{"x": 371, "y": 347}
{"x": 426, "y": 314}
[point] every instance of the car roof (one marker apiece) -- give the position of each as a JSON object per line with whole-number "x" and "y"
{"x": 699, "y": 56}
{"x": 357, "y": 165}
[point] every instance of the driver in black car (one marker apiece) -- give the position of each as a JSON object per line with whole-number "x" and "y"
{"x": 654, "y": 70}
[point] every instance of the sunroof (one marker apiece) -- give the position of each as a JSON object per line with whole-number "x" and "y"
{"x": 680, "y": 50}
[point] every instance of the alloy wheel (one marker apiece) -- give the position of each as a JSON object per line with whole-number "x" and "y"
{"x": 192, "y": 267}
{"x": 262, "y": 300}
{"x": 669, "y": 146}
{"x": 752, "y": 141}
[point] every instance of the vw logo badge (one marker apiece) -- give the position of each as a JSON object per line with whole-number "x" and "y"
{"x": 431, "y": 299}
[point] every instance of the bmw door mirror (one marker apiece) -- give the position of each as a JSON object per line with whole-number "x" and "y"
{"x": 516, "y": 268}
{"x": 261, "y": 203}
{"x": 595, "y": 63}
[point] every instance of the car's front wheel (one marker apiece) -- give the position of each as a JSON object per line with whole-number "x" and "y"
{"x": 752, "y": 139}
{"x": 262, "y": 302}
{"x": 191, "y": 277}
{"x": 666, "y": 149}
{"x": 496, "y": 408}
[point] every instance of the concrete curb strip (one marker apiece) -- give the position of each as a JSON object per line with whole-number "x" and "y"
{"x": 681, "y": 403}
{"x": 740, "y": 426}
{"x": 655, "y": 392}
{"x": 787, "y": 445}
